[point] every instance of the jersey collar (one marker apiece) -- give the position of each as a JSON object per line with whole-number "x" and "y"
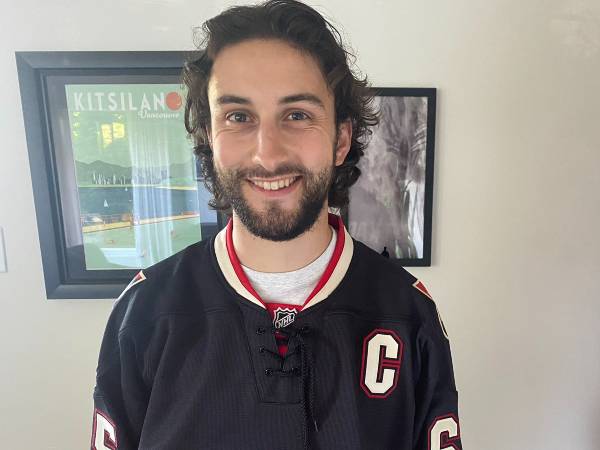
{"x": 332, "y": 276}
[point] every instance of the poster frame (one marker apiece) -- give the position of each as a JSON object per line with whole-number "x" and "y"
{"x": 430, "y": 94}
{"x": 33, "y": 68}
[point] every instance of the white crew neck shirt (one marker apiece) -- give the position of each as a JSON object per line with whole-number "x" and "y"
{"x": 293, "y": 287}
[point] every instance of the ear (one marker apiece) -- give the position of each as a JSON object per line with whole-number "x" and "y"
{"x": 343, "y": 142}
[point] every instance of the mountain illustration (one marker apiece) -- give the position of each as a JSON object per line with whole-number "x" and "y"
{"x": 103, "y": 173}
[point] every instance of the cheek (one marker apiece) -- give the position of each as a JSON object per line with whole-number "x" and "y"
{"x": 315, "y": 149}
{"x": 228, "y": 152}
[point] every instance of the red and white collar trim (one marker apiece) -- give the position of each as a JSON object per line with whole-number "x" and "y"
{"x": 334, "y": 272}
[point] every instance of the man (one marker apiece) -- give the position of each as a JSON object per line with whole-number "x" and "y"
{"x": 282, "y": 332}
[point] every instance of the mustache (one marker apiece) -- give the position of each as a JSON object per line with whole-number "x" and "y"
{"x": 261, "y": 172}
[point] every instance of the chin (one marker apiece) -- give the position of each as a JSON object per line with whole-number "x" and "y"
{"x": 278, "y": 224}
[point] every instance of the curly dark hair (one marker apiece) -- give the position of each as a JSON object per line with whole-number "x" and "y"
{"x": 304, "y": 28}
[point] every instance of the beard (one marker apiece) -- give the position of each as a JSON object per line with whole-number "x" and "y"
{"x": 274, "y": 222}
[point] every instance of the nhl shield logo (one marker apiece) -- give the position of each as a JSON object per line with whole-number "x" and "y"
{"x": 284, "y": 317}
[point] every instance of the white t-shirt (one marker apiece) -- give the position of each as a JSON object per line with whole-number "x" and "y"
{"x": 291, "y": 287}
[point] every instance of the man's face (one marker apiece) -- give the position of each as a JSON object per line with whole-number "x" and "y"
{"x": 273, "y": 136}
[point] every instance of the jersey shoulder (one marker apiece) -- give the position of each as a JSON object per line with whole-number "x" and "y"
{"x": 393, "y": 291}
{"x": 164, "y": 288}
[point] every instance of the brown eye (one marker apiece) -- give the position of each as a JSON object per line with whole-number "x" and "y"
{"x": 238, "y": 117}
{"x": 298, "y": 115}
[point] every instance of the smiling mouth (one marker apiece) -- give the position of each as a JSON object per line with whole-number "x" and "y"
{"x": 274, "y": 185}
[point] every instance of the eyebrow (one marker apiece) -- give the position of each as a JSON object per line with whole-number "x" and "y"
{"x": 302, "y": 97}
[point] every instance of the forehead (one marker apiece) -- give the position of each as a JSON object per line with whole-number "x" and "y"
{"x": 261, "y": 69}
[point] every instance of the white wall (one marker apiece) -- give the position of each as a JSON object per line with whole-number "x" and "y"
{"x": 516, "y": 216}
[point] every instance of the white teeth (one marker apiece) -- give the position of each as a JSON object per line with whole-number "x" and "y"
{"x": 274, "y": 185}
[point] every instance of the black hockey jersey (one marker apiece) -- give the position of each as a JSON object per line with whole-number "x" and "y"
{"x": 190, "y": 360}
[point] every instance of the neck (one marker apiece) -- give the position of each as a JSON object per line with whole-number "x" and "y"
{"x": 268, "y": 256}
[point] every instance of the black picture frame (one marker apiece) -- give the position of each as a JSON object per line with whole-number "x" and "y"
{"x": 65, "y": 272}
{"x": 392, "y": 201}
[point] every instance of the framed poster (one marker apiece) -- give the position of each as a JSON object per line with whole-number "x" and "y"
{"x": 390, "y": 204}
{"x": 115, "y": 180}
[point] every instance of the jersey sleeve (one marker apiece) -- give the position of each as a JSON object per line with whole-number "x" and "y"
{"x": 120, "y": 395}
{"x": 436, "y": 419}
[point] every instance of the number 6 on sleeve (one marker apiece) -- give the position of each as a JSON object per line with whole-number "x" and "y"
{"x": 443, "y": 432}
{"x": 104, "y": 435}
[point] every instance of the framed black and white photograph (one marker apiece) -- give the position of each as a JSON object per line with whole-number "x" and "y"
{"x": 391, "y": 203}
{"x": 116, "y": 183}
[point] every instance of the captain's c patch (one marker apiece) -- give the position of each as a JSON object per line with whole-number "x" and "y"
{"x": 381, "y": 361}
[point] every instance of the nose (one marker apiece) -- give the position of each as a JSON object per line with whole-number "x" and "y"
{"x": 270, "y": 150}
